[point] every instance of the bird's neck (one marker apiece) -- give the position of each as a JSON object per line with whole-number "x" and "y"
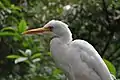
{"x": 66, "y": 38}
{"x": 59, "y": 45}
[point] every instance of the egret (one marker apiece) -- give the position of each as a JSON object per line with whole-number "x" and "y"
{"x": 77, "y": 58}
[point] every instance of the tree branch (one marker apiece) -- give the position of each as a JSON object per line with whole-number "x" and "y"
{"x": 106, "y": 11}
{"x": 108, "y": 25}
{"x": 113, "y": 53}
{"x": 107, "y": 43}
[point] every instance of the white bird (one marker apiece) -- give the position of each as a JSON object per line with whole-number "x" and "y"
{"x": 78, "y": 59}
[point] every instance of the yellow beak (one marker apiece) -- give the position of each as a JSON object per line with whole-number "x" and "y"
{"x": 37, "y": 30}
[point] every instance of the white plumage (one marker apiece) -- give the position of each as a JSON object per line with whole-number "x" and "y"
{"x": 78, "y": 59}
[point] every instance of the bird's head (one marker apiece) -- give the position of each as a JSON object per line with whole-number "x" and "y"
{"x": 58, "y": 28}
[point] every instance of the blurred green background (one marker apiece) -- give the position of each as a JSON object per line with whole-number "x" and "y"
{"x": 27, "y": 57}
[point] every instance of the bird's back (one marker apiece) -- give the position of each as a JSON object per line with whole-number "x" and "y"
{"x": 86, "y": 63}
{"x": 79, "y": 60}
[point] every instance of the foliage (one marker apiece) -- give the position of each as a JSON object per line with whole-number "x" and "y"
{"x": 28, "y": 57}
{"x": 110, "y": 67}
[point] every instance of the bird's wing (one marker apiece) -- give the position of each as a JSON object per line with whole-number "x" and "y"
{"x": 91, "y": 57}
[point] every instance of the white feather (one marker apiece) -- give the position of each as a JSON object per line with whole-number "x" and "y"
{"x": 78, "y": 59}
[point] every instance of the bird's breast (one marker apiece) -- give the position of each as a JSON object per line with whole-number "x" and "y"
{"x": 58, "y": 50}
{"x": 59, "y": 53}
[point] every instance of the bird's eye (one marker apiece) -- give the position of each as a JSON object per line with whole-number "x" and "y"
{"x": 51, "y": 28}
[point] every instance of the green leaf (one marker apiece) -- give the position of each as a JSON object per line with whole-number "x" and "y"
{"x": 15, "y": 7}
{"x": 13, "y": 56}
{"x": 22, "y": 26}
{"x": 20, "y": 59}
{"x": 110, "y": 67}
{"x": 36, "y": 60}
{"x": 49, "y": 53}
{"x": 36, "y": 55}
{"x": 57, "y": 71}
{"x": 8, "y": 34}
{"x": 10, "y": 29}
{"x": 38, "y": 78}
{"x": 22, "y": 52}
{"x": 6, "y": 3}
{"x": 1, "y": 5}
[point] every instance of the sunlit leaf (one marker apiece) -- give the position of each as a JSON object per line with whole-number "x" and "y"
{"x": 22, "y": 26}
{"x": 8, "y": 34}
{"x": 49, "y": 53}
{"x": 35, "y": 55}
{"x": 21, "y": 59}
{"x": 28, "y": 52}
{"x": 15, "y": 7}
{"x": 57, "y": 71}
{"x": 22, "y": 52}
{"x": 36, "y": 60}
{"x": 8, "y": 10}
{"x": 110, "y": 67}
{"x": 13, "y": 56}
